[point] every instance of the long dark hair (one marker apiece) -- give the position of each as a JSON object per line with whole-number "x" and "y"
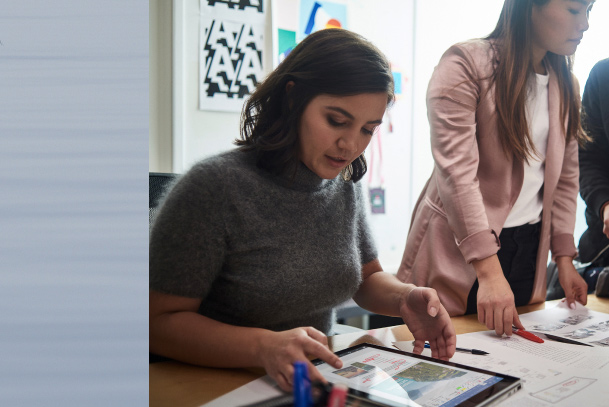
{"x": 331, "y": 61}
{"x": 512, "y": 42}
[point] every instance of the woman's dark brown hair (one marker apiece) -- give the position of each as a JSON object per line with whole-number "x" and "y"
{"x": 332, "y": 61}
{"x": 512, "y": 43}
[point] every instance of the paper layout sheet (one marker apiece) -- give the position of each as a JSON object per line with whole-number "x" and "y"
{"x": 553, "y": 373}
{"x": 260, "y": 389}
{"x": 581, "y": 324}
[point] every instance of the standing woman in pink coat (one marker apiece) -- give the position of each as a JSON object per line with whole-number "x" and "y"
{"x": 504, "y": 114}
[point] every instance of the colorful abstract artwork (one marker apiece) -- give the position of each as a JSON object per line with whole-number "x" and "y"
{"x": 318, "y": 15}
{"x": 293, "y": 20}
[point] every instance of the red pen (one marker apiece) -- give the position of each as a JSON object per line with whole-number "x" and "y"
{"x": 527, "y": 335}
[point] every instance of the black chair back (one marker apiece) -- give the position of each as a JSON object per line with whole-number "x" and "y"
{"x": 158, "y": 182}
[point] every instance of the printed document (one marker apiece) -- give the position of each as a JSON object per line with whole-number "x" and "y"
{"x": 581, "y": 324}
{"x": 554, "y": 374}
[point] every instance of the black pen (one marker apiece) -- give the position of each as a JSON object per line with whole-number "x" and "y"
{"x": 472, "y": 351}
{"x": 465, "y": 350}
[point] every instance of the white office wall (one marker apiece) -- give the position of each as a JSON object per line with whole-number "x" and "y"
{"x": 441, "y": 23}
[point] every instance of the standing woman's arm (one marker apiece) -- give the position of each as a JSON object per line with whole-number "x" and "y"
{"x": 563, "y": 209}
{"x": 453, "y": 96}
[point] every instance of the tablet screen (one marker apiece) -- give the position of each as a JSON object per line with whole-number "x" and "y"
{"x": 394, "y": 377}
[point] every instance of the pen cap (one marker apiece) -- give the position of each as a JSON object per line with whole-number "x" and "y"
{"x": 338, "y": 396}
{"x": 302, "y": 385}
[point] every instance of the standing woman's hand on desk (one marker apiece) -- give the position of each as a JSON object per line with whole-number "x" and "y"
{"x": 428, "y": 320}
{"x": 496, "y": 306}
{"x": 279, "y": 351}
{"x": 574, "y": 285}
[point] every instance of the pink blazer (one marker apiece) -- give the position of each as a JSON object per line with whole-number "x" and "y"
{"x": 463, "y": 206}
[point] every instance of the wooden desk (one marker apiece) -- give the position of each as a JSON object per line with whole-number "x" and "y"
{"x": 175, "y": 384}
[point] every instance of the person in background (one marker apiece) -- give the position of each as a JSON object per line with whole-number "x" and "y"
{"x": 505, "y": 125}
{"x": 253, "y": 248}
{"x": 594, "y": 167}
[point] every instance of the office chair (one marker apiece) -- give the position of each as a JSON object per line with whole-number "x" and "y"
{"x": 158, "y": 182}
{"x": 157, "y": 186}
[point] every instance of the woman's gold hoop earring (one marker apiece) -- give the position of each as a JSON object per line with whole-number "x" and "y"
{"x": 347, "y": 173}
{"x": 361, "y": 164}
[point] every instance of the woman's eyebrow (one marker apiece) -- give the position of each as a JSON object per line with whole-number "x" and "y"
{"x": 349, "y": 115}
{"x": 584, "y": 2}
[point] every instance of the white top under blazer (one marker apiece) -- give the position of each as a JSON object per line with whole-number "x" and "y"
{"x": 528, "y": 206}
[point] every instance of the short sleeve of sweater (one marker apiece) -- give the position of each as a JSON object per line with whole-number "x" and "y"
{"x": 367, "y": 248}
{"x": 187, "y": 240}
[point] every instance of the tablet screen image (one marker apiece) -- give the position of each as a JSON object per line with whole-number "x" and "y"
{"x": 392, "y": 377}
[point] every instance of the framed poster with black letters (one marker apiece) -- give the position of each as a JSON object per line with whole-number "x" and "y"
{"x": 231, "y": 52}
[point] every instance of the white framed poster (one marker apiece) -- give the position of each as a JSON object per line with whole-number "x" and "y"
{"x": 231, "y": 52}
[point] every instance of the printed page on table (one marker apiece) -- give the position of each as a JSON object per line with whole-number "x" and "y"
{"x": 577, "y": 325}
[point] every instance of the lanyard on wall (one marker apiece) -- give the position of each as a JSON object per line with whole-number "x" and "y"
{"x": 377, "y": 194}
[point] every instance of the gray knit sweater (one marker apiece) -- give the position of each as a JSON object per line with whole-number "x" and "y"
{"x": 261, "y": 250}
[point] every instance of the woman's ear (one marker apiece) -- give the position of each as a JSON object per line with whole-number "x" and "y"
{"x": 289, "y": 86}
{"x": 288, "y": 89}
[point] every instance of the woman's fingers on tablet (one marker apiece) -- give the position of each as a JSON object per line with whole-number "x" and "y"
{"x": 314, "y": 374}
{"x": 433, "y": 346}
{"x": 419, "y": 345}
{"x": 442, "y": 351}
{"x": 438, "y": 348}
{"x": 284, "y": 348}
{"x": 317, "y": 350}
{"x": 317, "y": 335}
{"x": 284, "y": 380}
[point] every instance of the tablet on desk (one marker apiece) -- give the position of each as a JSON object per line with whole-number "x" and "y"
{"x": 389, "y": 377}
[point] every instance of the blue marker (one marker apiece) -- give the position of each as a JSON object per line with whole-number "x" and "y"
{"x": 302, "y": 385}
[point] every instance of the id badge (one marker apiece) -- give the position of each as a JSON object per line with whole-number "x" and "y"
{"x": 377, "y": 200}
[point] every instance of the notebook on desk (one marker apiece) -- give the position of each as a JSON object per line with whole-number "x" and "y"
{"x": 389, "y": 377}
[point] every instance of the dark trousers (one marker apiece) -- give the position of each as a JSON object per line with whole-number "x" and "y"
{"x": 518, "y": 255}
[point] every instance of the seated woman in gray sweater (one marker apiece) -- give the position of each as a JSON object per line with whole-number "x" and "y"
{"x": 253, "y": 248}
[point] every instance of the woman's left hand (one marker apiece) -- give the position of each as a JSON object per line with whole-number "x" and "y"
{"x": 428, "y": 320}
{"x": 575, "y": 287}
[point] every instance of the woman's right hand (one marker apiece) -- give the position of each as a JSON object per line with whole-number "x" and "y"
{"x": 496, "y": 306}
{"x": 279, "y": 351}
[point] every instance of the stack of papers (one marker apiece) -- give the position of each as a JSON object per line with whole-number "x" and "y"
{"x": 579, "y": 325}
